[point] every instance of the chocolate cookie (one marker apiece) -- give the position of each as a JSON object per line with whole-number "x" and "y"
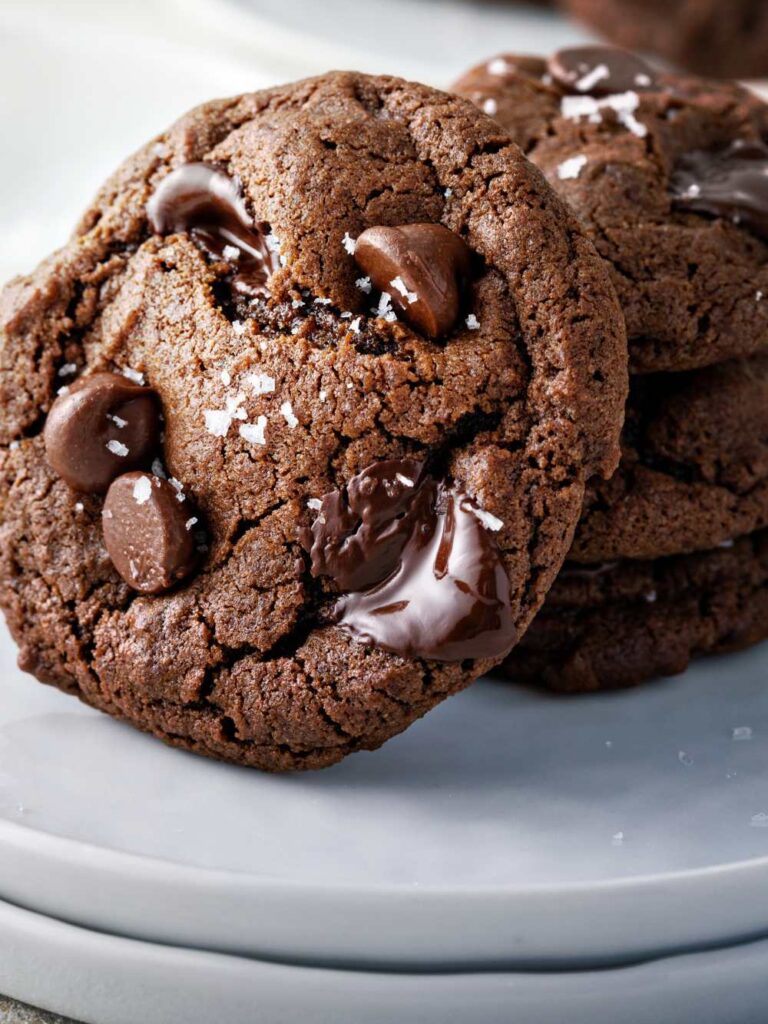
{"x": 727, "y": 38}
{"x": 624, "y": 622}
{"x": 669, "y": 175}
{"x": 375, "y": 361}
{"x": 694, "y": 466}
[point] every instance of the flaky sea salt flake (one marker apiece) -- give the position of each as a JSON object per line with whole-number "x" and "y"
{"x": 489, "y": 521}
{"x": 473, "y": 324}
{"x": 572, "y": 167}
{"x": 286, "y": 411}
{"x": 67, "y": 369}
{"x": 349, "y": 243}
{"x": 315, "y": 504}
{"x": 254, "y": 432}
{"x": 497, "y": 66}
{"x": 142, "y": 490}
{"x": 364, "y": 284}
{"x": 260, "y": 383}
{"x": 117, "y": 448}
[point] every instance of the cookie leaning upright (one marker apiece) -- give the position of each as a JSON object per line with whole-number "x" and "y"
{"x": 386, "y": 358}
{"x": 668, "y": 175}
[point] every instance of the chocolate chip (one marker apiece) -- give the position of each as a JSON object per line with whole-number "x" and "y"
{"x": 422, "y": 267}
{"x": 148, "y": 532}
{"x": 208, "y": 204}
{"x": 100, "y": 427}
{"x": 600, "y": 71}
{"x": 731, "y": 182}
{"x": 420, "y": 563}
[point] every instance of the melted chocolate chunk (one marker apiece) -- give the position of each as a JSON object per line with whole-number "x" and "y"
{"x": 731, "y": 182}
{"x": 100, "y": 427}
{"x": 600, "y": 71}
{"x": 209, "y": 205}
{"x": 423, "y": 572}
{"x": 422, "y": 267}
{"x": 148, "y": 532}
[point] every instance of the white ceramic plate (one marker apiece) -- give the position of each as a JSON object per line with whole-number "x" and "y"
{"x": 490, "y": 833}
{"x": 102, "y": 979}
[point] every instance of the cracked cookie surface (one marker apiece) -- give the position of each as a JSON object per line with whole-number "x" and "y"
{"x": 622, "y": 623}
{"x": 691, "y": 284}
{"x": 273, "y": 399}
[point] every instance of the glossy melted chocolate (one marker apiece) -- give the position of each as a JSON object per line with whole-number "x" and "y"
{"x": 208, "y": 204}
{"x": 732, "y": 183}
{"x": 423, "y": 573}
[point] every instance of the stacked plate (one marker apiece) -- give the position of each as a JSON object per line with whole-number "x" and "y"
{"x": 513, "y": 857}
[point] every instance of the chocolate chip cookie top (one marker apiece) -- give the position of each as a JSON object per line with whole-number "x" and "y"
{"x": 667, "y": 173}
{"x": 711, "y": 37}
{"x": 622, "y": 623}
{"x": 342, "y": 432}
{"x": 694, "y": 466}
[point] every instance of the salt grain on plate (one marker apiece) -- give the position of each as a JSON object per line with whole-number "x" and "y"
{"x": 117, "y": 420}
{"x": 617, "y": 839}
{"x": 571, "y": 168}
{"x": 684, "y": 758}
{"x": 399, "y": 285}
{"x": 286, "y": 410}
{"x": 759, "y": 820}
{"x": 741, "y": 733}
{"x": 254, "y": 432}
{"x": 117, "y": 448}
{"x": 142, "y": 490}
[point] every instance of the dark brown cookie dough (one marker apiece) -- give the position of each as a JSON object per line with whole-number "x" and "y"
{"x": 622, "y": 623}
{"x": 727, "y": 38}
{"x": 613, "y": 138}
{"x": 283, "y": 375}
{"x": 694, "y": 466}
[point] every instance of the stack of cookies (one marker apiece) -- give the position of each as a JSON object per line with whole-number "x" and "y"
{"x": 669, "y": 176}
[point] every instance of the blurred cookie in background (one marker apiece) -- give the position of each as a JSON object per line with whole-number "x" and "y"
{"x": 726, "y": 38}
{"x": 668, "y": 173}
